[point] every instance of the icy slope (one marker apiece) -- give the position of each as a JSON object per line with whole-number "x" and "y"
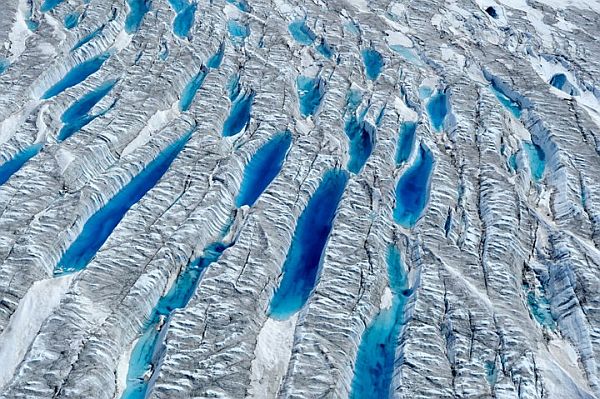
{"x": 241, "y": 198}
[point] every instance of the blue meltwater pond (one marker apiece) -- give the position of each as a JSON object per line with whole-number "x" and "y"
{"x": 374, "y": 365}
{"x": 537, "y": 160}
{"x": 76, "y": 75}
{"x": 301, "y": 32}
{"x": 239, "y": 115}
{"x": 437, "y": 108}
{"x": 412, "y": 191}
{"x": 406, "y": 142}
{"x": 373, "y": 63}
{"x": 137, "y": 11}
{"x": 310, "y": 94}
{"x": 303, "y": 262}
{"x": 149, "y": 351}
{"x": 100, "y": 225}
{"x": 10, "y": 167}
{"x": 77, "y": 115}
{"x": 263, "y": 168}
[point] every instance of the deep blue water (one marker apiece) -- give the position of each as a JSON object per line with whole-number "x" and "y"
{"x": 373, "y": 63}
{"x": 374, "y": 366}
{"x": 561, "y": 82}
{"x": 71, "y": 20}
{"x": 216, "y": 59}
{"x": 310, "y": 94}
{"x": 184, "y": 20}
{"x": 303, "y": 261}
{"x": 76, "y": 116}
{"x": 412, "y": 191}
{"x": 508, "y": 103}
{"x": 137, "y": 11}
{"x": 101, "y": 224}
{"x": 406, "y": 142}
{"x": 8, "y": 168}
{"x": 32, "y": 24}
{"x": 437, "y": 108}
{"x": 178, "y": 5}
{"x": 149, "y": 350}
{"x": 48, "y": 5}
{"x": 361, "y": 137}
{"x": 189, "y": 92}
{"x": 88, "y": 38}
{"x": 324, "y": 48}
{"x": 537, "y": 159}
{"x": 239, "y": 116}
{"x": 301, "y": 32}
{"x": 4, "y": 64}
{"x": 263, "y": 168}
{"x": 558, "y": 80}
{"x": 76, "y": 75}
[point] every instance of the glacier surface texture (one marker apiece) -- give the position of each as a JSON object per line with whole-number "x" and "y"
{"x": 300, "y": 199}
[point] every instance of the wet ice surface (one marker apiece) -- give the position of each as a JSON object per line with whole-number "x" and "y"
{"x": 464, "y": 135}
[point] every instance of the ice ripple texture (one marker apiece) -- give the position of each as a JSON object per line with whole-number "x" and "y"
{"x": 169, "y": 227}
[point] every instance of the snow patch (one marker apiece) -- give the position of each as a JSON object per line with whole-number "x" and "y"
{"x": 35, "y": 307}
{"x": 271, "y": 357}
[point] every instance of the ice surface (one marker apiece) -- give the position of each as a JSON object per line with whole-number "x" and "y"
{"x": 470, "y": 143}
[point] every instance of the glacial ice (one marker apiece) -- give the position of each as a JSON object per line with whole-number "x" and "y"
{"x": 470, "y": 145}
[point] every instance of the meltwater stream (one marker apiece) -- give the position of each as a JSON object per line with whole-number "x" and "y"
{"x": 148, "y": 352}
{"x": 303, "y": 262}
{"x": 412, "y": 191}
{"x": 262, "y": 168}
{"x": 360, "y": 133}
{"x": 101, "y": 224}
{"x": 374, "y": 365}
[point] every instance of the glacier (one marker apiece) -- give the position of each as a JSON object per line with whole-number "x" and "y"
{"x": 283, "y": 199}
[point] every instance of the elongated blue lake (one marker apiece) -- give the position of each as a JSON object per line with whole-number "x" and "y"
{"x": 135, "y": 16}
{"x": 406, "y": 142}
{"x": 76, "y": 116}
{"x": 100, "y": 225}
{"x": 373, "y": 63}
{"x": 412, "y": 191}
{"x": 374, "y": 365}
{"x": 149, "y": 351}
{"x": 76, "y": 75}
{"x": 71, "y": 20}
{"x": 10, "y": 167}
{"x": 264, "y": 166}
{"x": 310, "y": 94}
{"x": 189, "y": 92}
{"x": 437, "y": 108}
{"x": 216, "y": 59}
{"x": 301, "y": 32}
{"x": 303, "y": 261}
{"x": 239, "y": 115}
{"x": 537, "y": 159}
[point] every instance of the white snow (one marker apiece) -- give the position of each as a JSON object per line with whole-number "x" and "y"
{"x": 19, "y": 32}
{"x": 398, "y": 39}
{"x": 386, "y": 299}
{"x": 35, "y": 307}
{"x": 157, "y": 122}
{"x": 123, "y": 369}
{"x": 271, "y": 357}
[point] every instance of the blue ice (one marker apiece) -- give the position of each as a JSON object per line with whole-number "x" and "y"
{"x": 48, "y": 5}
{"x": 88, "y": 38}
{"x": 71, "y": 20}
{"x": 301, "y": 32}
{"x": 217, "y": 58}
{"x": 189, "y": 92}
{"x": 76, "y": 75}
{"x": 406, "y": 142}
